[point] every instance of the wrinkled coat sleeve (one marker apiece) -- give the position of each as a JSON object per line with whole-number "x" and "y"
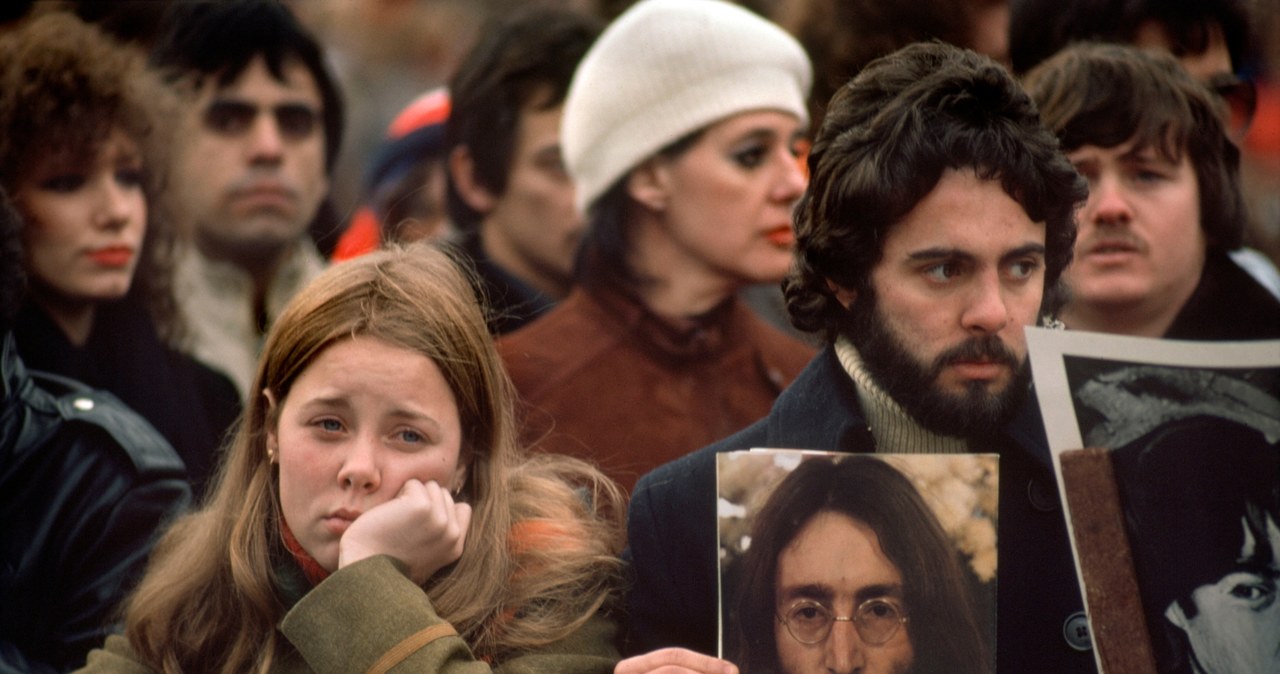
{"x": 370, "y": 617}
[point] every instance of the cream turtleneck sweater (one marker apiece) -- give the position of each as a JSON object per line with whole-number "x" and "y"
{"x": 893, "y": 429}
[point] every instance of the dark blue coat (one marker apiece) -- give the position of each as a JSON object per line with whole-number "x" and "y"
{"x": 672, "y": 530}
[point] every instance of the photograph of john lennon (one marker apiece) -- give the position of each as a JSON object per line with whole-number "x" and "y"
{"x": 880, "y": 564}
{"x": 1196, "y": 458}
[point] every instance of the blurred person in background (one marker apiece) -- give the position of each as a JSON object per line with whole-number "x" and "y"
{"x": 681, "y": 133}
{"x": 82, "y": 151}
{"x": 1165, "y": 208}
{"x": 843, "y": 36}
{"x": 258, "y": 135}
{"x": 509, "y": 195}
{"x": 85, "y": 483}
{"x": 1217, "y": 42}
{"x": 404, "y": 183}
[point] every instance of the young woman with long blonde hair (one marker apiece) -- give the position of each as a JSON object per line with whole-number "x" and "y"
{"x": 374, "y": 509}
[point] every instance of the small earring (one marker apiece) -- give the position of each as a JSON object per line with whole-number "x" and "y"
{"x": 271, "y": 454}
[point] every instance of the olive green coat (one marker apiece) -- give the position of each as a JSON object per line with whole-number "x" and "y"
{"x": 368, "y": 617}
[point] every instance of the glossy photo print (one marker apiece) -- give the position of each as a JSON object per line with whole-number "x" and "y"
{"x": 872, "y": 563}
{"x": 1168, "y": 459}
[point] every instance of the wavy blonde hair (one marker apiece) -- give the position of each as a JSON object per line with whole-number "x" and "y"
{"x": 541, "y": 552}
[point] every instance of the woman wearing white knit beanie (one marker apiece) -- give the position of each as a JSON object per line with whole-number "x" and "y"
{"x": 681, "y": 131}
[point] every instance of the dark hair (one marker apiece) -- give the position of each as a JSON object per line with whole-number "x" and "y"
{"x": 67, "y": 86}
{"x": 843, "y": 36}
{"x": 887, "y": 137}
{"x": 1185, "y": 488}
{"x": 521, "y": 60}
{"x": 12, "y": 277}
{"x": 944, "y": 629}
{"x": 219, "y": 40}
{"x": 602, "y": 257}
{"x": 1040, "y": 28}
{"x": 1109, "y": 94}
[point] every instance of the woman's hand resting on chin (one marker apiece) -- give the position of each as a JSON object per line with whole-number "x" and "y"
{"x": 422, "y": 527}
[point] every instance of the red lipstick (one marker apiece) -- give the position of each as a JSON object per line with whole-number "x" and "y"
{"x": 112, "y": 256}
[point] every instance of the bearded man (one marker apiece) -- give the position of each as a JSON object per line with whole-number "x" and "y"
{"x": 936, "y": 228}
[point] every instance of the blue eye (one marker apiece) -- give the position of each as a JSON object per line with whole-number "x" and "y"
{"x": 411, "y": 436}
{"x": 331, "y": 425}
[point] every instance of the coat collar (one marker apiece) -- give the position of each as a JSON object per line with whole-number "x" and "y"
{"x": 698, "y": 337}
{"x": 823, "y": 395}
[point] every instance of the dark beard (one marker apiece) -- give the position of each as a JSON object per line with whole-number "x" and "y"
{"x": 976, "y": 415}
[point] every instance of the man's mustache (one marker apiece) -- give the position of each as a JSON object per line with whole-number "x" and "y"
{"x": 990, "y": 348}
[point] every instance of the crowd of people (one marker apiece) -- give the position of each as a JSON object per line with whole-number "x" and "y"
{"x": 472, "y": 423}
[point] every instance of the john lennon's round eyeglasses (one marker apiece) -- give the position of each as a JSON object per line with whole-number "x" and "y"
{"x": 876, "y": 620}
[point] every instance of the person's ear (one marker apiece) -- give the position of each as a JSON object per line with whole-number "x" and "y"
{"x": 459, "y": 479}
{"x": 650, "y": 183}
{"x": 462, "y": 171}
{"x": 272, "y": 423}
{"x": 843, "y": 295}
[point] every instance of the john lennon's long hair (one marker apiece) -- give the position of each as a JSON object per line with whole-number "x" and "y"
{"x": 944, "y": 628}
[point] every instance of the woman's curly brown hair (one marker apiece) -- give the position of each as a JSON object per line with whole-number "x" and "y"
{"x": 65, "y": 86}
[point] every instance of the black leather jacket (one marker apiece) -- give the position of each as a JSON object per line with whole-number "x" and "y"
{"x": 85, "y": 484}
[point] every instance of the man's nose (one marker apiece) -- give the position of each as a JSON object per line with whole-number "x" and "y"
{"x": 266, "y": 142}
{"x": 1108, "y": 202}
{"x": 987, "y": 309}
{"x": 843, "y": 651}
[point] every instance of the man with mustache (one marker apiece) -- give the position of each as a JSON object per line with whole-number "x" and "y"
{"x": 936, "y": 227}
{"x": 1165, "y": 208}
{"x": 261, "y": 128}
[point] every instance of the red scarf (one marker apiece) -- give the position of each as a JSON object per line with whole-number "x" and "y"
{"x": 310, "y": 567}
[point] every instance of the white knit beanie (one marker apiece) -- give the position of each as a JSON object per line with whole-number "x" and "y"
{"x": 664, "y": 69}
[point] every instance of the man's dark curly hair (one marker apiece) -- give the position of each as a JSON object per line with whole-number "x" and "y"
{"x": 884, "y": 143}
